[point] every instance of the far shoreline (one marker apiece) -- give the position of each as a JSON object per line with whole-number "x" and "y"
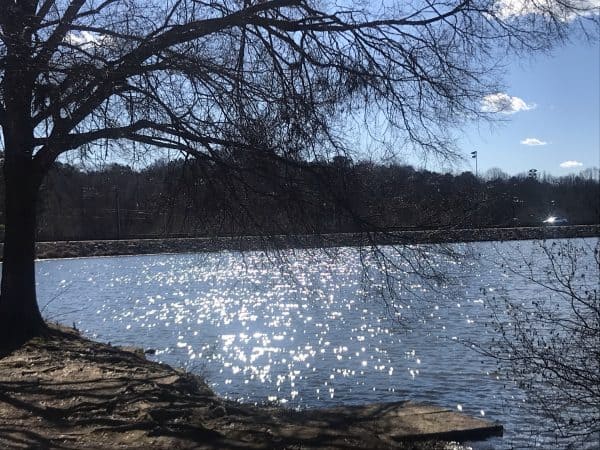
{"x": 145, "y": 246}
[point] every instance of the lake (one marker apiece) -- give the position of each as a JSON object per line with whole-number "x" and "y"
{"x": 310, "y": 329}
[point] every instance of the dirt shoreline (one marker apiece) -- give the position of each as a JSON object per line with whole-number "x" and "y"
{"x": 75, "y": 249}
{"x": 65, "y": 391}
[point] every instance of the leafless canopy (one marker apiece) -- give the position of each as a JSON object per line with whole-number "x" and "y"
{"x": 286, "y": 77}
{"x": 548, "y": 342}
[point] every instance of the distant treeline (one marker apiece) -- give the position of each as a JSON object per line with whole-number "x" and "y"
{"x": 258, "y": 196}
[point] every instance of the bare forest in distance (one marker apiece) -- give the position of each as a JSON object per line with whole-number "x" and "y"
{"x": 195, "y": 198}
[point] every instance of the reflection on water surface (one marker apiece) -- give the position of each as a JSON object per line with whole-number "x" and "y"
{"x": 306, "y": 330}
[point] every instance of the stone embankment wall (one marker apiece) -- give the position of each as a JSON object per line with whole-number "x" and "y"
{"x": 74, "y": 249}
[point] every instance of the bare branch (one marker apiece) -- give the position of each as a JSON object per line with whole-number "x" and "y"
{"x": 59, "y": 33}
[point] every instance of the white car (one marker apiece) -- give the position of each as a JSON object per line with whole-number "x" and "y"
{"x": 552, "y": 220}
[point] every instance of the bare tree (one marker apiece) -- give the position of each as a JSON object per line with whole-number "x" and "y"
{"x": 285, "y": 79}
{"x": 549, "y": 342}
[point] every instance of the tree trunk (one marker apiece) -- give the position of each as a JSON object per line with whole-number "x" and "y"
{"x": 20, "y": 317}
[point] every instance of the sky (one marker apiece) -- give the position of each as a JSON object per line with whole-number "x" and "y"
{"x": 550, "y": 118}
{"x": 552, "y": 122}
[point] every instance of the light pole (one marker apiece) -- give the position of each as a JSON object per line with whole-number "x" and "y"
{"x": 533, "y": 174}
{"x": 474, "y": 155}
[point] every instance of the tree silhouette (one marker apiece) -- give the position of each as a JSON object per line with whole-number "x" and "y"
{"x": 548, "y": 343}
{"x": 276, "y": 80}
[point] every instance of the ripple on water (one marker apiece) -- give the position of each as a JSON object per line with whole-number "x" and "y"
{"x": 304, "y": 331}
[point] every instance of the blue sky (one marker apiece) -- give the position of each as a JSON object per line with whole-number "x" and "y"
{"x": 554, "y": 120}
{"x": 560, "y": 113}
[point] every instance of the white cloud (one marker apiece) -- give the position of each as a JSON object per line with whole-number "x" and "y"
{"x": 507, "y": 9}
{"x": 570, "y": 164}
{"x": 504, "y": 103}
{"x": 533, "y": 142}
{"x": 85, "y": 39}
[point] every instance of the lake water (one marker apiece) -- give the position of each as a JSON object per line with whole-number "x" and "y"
{"x": 309, "y": 329}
